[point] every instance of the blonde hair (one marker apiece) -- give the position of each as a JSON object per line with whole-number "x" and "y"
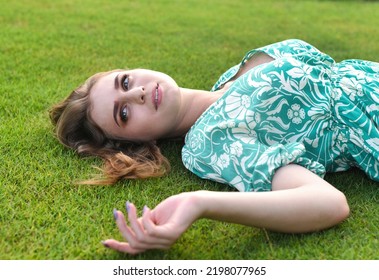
{"x": 122, "y": 159}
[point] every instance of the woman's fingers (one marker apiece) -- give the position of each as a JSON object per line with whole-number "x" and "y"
{"x": 159, "y": 231}
{"x": 136, "y": 235}
{"x": 133, "y": 220}
{"x": 147, "y": 221}
{"x": 126, "y": 232}
{"x": 121, "y": 246}
{"x": 156, "y": 229}
{"x": 127, "y": 248}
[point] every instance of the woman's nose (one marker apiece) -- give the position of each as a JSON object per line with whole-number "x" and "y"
{"x": 136, "y": 94}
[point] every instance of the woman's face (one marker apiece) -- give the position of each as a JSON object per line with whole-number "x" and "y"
{"x": 136, "y": 105}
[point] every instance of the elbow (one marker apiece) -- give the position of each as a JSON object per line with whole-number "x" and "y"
{"x": 342, "y": 208}
{"x": 338, "y": 211}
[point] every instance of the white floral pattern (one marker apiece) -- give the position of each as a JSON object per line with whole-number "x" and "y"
{"x": 236, "y": 149}
{"x": 301, "y": 108}
{"x": 223, "y": 161}
{"x": 296, "y": 114}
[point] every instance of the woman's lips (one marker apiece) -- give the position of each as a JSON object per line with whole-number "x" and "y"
{"x": 157, "y": 96}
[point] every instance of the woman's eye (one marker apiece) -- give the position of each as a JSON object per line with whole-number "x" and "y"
{"x": 124, "y": 114}
{"x": 125, "y": 82}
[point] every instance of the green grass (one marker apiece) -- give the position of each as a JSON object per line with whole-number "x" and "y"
{"x": 49, "y": 47}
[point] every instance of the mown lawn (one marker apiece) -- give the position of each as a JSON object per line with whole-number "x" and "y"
{"x": 47, "y": 48}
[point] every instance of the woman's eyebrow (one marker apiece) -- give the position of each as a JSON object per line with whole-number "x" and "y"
{"x": 115, "y": 110}
{"x": 116, "y": 82}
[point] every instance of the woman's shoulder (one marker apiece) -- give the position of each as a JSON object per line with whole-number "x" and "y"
{"x": 295, "y": 48}
{"x": 287, "y": 48}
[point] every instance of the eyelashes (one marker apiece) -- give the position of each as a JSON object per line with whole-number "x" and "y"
{"x": 125, "y": 82}
{"x": 124, "y": 114}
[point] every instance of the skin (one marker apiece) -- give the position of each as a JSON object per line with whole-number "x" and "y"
{"x": 299, "y": 202}
{"x": 146, "y": 121}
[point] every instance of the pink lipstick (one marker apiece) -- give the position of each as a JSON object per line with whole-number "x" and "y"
{"x": 157, "y": 96}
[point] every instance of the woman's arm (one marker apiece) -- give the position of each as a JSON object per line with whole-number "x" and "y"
{"x": 300, "y": 202}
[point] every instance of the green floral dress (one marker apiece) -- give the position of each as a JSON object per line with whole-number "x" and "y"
{"x": 301, "y": 108}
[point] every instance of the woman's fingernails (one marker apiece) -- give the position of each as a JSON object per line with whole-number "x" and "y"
{"x": 127, "y": 206}
{"x": 115, "y": 215}
{"x": 105, "y": 244}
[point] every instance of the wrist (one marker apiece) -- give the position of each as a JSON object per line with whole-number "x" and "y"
{"x": 198, "y": 202}
{"x": 202, "y": 202}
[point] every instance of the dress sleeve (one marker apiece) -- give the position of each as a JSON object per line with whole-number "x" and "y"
{"x": 245, "y": 166}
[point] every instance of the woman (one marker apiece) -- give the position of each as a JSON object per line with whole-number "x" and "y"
{"x": 272, "y": 126}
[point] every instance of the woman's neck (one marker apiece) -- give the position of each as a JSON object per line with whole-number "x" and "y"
{"x": 194, "y": 103}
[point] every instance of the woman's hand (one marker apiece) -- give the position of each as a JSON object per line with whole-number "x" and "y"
{"x": 158, "y": 228}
